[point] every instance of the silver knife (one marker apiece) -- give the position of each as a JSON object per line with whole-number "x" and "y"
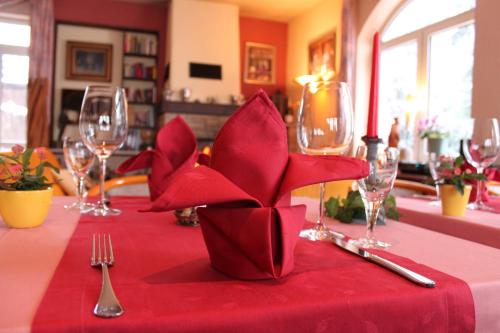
{"x": 404, "y": 272}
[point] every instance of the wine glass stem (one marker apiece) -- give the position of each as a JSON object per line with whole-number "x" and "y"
{"x": 79, "y": 190}
{"x": 479, "y": 191}
{"x": 372, "y": 209}
{"x": 102, "y": 174}
{"x": 321, "y": 205}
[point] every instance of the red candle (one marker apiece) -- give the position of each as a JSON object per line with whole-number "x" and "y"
{"x": 371, "y": 130}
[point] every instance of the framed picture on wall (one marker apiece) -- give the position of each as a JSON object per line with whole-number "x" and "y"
{"x": 260, "y": 64}
{"x": 322, "y": 54}
{"x": 88, "y": 61}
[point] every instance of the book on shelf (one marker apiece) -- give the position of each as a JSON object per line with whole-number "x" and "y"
{"x": 139, "y": 70}
{"x": 140, "y": 44}
{"x": 141, "y": 95}
{"x": 139, "y": 139}
{"x": 141, "y": 117}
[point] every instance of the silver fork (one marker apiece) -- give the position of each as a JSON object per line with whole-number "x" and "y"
{"x": 107, "y": 305}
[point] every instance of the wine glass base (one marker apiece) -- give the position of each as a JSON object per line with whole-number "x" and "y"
{"x": 369, "y": 243}
{"x": 480, "y": 206}
{"x": 82, "y": 207}
{"x": 435, "y": 203}
{"x": 320, "y": 232}
{"x": 317, "y": 233}
{"x": 104, "y": 211}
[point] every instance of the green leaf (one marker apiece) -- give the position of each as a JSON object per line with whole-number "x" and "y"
{"x": 332, "y": 207}
{"x": 459, "y": 185}
{"x": 390, "y": 201}
{"x": 459, "y": 161}
{"x": 345, "y": 215}
{"x": 392, "y": 213}
{"x": 26, "y": 157}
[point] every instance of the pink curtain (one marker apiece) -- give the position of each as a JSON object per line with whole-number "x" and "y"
{"x": 40, "y": 72}
{"x": 40, "y": 69}
{"x": 348, "y": 44}
{"x": 4, "y": 3}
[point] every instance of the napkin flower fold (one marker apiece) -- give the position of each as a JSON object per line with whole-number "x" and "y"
{"x": 175, "y": 151}
{"x": 249, "y": 225}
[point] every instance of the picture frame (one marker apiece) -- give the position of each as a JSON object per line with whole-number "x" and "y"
{"x": 322, "y": 54}
{"x": 260, "y": 64}
{"x": 89, "y": 61}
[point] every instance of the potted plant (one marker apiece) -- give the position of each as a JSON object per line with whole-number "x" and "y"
{"x": 25, "y": 194}
{"x": 453, "y": 178}
{"x": 434, "y": 132}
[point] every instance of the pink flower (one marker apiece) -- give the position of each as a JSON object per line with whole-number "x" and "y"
{"x": 446, "y": 173}
{"x": 14, "y": 169}
{"x": 17, "y": 149}
{"x": 468, "y": 171}
{"x": 41, "y": 153}
{"x": 457, "y": 171}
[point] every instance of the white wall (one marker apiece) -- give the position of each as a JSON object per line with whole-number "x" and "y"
{"x": 84, "y": 34}
{"x": 204, "y": 32}
{"x": 303, "y": 30}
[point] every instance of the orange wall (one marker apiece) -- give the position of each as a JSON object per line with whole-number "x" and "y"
{"x": 267, "y": 32}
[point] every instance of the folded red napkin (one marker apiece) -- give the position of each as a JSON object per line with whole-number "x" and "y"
{"x": 175, "y": 151}
{"x": 249, "y": 225}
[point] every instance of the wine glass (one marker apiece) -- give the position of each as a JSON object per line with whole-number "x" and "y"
{"x": 324, "y": 127}
{"x": 78, "y": 160}
{"x": 481, "y": 149}
{"x": 435, "y": 167}
{"x": 375, "y": 188}
{"x": 103, "y": 128}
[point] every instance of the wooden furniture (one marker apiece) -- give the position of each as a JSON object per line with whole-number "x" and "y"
{"x": 140, "y": 71}
{"x": 119, "y": 182}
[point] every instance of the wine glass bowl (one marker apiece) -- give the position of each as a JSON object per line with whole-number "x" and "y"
{"x": 324, "y": 127}
{"x": 375, "y": 188}
{"x": 103, "y": 128}
{"x": 481, "y": 148}
{"x": 79, "y": 160}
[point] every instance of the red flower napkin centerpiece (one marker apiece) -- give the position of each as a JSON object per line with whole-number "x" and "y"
{"x": 249, "y": 226}
{"x": 175, "y": 151}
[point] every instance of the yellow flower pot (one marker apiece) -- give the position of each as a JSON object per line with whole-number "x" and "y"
{"x": 25, "y": 209}
{"x": 452, "y": 202}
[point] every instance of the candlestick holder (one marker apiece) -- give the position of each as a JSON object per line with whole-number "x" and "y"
{"x": 371, "y": 145}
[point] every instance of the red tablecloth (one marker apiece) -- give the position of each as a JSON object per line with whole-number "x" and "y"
{"x": 163, "y": 279}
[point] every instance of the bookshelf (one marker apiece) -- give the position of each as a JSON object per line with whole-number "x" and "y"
{"x": 140, "y": 72}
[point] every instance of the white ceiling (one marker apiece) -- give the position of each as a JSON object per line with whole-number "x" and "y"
{"x": 275, "y": 10}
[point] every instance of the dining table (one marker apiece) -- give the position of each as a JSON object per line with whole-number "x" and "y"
{"x": 48, "y": 285}
{"x": 476, "y": 225}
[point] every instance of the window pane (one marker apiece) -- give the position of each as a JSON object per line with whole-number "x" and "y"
{"x": 14, "y": 34}
{"x": 398, "y": 80}
{"x": 13, "y": 99}
{"x": 420, "y": 13}
{"x": 15, "y": 69}
{"x": 13, "y": 114}
{"x": 450, "y": 76}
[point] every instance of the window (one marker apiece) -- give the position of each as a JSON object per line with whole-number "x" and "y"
{"x": 426, "y": 67}
{"x": 14, "y": 64}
